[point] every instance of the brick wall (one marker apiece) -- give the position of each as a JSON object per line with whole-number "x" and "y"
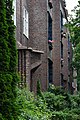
{"x": 36, "y": 44}
{"x": 38, "y": 39}
{"x": 56, "y": 45}
{"x": 34, "y": 51}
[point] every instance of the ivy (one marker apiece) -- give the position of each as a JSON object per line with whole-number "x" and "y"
{"x": 8, "y": 62}
{"x": 4, "y": 50}
{"x": 11, "y": 38}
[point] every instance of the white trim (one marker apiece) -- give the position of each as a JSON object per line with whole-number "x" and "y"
{"x": 25, "y": 22}
{"x": 14, "y": 15}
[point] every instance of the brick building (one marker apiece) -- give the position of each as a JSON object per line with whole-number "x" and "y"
{"x": 42, "y": 42}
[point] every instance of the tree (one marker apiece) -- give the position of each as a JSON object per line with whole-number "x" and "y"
{"x": 74, "y": 27}
{"x": 8, "y": 62}
{"x": 11, "y": 32}
{"x": 4, "y": 50}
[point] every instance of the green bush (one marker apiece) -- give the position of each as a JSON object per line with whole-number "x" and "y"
{"x": 11, "y": 36}
{"x": 62, "y": 105}
{"x": 8, "y": 107}
{"x": 60, "y": 115}
{"x": 8, "y": 63}
{"x": 4, "y": 50}
{"x": 31, "y": 107}
{"x": 52, "y": 107}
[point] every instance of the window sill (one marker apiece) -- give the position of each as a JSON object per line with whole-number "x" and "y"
{"x": 26, "y": 36}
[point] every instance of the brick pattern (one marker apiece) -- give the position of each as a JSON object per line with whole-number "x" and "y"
{"x": 65, "y": 60}
{"x": 38, "y": 40}
{"x": 56, "y": 45}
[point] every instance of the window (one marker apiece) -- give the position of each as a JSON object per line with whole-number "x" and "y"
{"x": 61, "y": 50}
{"x": 14, "y": 15}
{"x": 61, "y": 21}
{"x": 50, "y": 31}
{"x": 50, "y": 71}
{"x": 62, "y": 83}
{"x": 49, "y": 27}
{"x": 25, "y": 22}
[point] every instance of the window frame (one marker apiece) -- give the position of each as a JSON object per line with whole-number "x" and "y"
{"x": 14, "y": 15}
{"x": 25, "y": 22}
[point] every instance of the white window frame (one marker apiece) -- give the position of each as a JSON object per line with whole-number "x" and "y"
{"x": 14, "y": 15}
{"x": 25, "y": 22}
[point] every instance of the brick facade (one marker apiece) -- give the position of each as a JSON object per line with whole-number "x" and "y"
{"x": 38, "y": 58}
{"x": 56, "y": 45}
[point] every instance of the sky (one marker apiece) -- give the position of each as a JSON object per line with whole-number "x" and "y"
{"x": 70, "y": 4}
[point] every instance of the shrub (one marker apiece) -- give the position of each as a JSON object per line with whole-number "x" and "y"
{"x": 30, "y": 107}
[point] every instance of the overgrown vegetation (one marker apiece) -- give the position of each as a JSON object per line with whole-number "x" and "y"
{"x": 52, "y": 106}
{"x": 8, "y": 62}
{"x": 74, "y": 28}
{"x": 21, "y": 104}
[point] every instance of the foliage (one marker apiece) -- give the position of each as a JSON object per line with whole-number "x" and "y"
{"x": 39, "y": 93}
{"x": 62, "y": 105}
{"x": 4, "y": 50}
{"x": 8, "y": 95}
{"x": 11, "y": 37}
{"x": 21, "y": 104}
{"x": 52, "y": 107}
{"x": 74, "y": 28}
{"x": 8, "y": 56}
{"x": 30, "y": 107}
